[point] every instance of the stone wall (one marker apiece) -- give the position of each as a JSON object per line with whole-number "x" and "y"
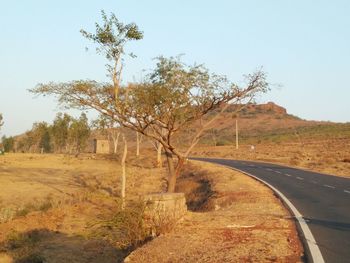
{"x": 164, "y": 210}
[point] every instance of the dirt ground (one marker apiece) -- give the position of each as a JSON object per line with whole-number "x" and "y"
{"x": 49, "y": 202}
{"x": 326, "y": 156}
{"x": 240, "y": 221}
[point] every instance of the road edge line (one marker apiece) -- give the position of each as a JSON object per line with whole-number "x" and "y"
{"x": 309, "y": 240}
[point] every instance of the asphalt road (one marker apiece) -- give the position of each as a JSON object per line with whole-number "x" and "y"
{"x": 323, "y": 201}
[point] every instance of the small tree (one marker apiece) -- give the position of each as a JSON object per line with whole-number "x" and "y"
{"x": 59, "y": 131}
{"x": 78, "y": 133}
{"x": 41, "y": 132}
{"x": 8, "y": 143}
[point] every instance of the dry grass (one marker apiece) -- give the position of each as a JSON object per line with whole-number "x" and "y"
{"x": 327, "y": 156}
{"x": 247, "y": 223}
{"x": 60, "y": 198}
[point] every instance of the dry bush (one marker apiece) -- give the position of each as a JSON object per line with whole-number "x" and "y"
{"x": 158, "y": 219}
{"x": 126, "y": 228}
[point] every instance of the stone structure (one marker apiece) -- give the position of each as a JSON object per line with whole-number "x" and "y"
{"x": 101, "y": 146}
{"x": 164, "y": 210}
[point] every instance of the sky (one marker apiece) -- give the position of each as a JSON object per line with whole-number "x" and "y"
{"x": 303, "y": 45}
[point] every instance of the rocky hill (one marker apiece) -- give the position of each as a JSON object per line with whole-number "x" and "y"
{"x": 258, "y": 122}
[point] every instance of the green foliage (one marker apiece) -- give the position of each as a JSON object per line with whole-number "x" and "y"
{"x": 79, "y": 132}
{"x": 41, "y": 136}
{"x": 8, "y": 143}
{"x": 1, "y": 121}
{"x": 59, "y": 130}
{"x": 65, "y": 131}
{"x": 111, "y": 38}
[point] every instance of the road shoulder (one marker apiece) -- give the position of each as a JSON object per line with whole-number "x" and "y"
{"x": 242, "y": 220}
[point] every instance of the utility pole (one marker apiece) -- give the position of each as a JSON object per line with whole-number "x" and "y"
{"x": 236, "y": 131}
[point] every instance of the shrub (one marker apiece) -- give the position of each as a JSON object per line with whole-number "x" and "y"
{"x": 126, "y": 228}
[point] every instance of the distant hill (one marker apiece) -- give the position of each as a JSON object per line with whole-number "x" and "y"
{"x": 269, "y": 123}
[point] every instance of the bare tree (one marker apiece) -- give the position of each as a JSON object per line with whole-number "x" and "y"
{"x": 114, "y": 134}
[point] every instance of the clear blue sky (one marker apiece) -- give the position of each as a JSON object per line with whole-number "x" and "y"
{"x": 303, "y": 45}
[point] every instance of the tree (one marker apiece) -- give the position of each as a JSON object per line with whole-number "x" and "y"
{"x": 138, "y": 142}
{"x": 59, "y": 131}
{"x": 8, "y": 143}
{"x": 1, "y": 121}
{"x": 111, "y": 38}
{"x": 41, "y": 132}
{"x": 78, "y": 133}
{"x": 41, "y": 137}
{"x": 171, "y": 98}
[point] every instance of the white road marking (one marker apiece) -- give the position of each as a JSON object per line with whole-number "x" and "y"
{"x": 299, "y": 178}
{"x": 287, "y": 175}
{"x": 278, "y": 172}
{"x": 346, "y": 191}
{"x": 329, "y": 186}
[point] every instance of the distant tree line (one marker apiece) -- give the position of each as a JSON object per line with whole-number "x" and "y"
{"x": 65, "y": 135}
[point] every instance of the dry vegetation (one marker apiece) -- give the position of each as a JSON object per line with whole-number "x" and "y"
{"x": 235, "y": 219}
{"x": 51, "y": 204}
{"x": 282, "y": 138}
{"x": 57, "y": 208}
{"x": 327, "y": 156}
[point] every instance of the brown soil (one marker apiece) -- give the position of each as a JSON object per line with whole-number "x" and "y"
{"x": 243, "y": 222}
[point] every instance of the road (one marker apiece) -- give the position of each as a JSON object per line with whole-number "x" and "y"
{"x": 322, "y": 200}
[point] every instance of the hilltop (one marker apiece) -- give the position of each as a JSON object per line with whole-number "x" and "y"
{"x": 258, "y": 123}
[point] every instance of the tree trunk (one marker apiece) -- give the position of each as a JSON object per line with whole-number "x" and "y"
{"x": 173, "y": 173}
{"x": 159, "y": 156}
{"x": 138, "y": 140}
{"x": 124, "y": 171}
{"x": 115, "y": 142}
